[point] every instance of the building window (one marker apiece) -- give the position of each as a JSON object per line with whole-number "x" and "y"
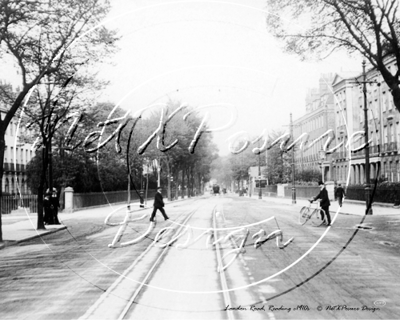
{"x": 385, "y": 169}
{"x": 385, "y": 102}
{"x": 391, "y": 133}
{"x": 12, "y": 154}
{"x": 385, "y": 134}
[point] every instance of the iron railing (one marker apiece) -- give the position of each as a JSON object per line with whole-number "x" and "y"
{"x": 13, "y": 202}
{"x": 85, "y": 200}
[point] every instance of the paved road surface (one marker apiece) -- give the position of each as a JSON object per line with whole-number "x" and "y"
{"x": 349, "y": 273}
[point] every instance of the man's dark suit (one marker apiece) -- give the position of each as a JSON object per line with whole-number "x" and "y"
{"x": 325, "y": 203}
{"x": 158, "y": 200}
{"x": 339, "y": 194}
{"x": 158, "y": 204}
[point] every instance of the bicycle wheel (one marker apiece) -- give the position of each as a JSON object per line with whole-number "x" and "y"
{"x": 316, "y": 217}
{"x": 304, "y": 215}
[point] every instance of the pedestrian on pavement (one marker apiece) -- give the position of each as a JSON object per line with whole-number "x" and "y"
{"x": 158, "y": 204}
{"x": 55, "y": 205}
{"x": 324, "y": 202}
{"x": 340, "y": 194}
{"x": 48, "y": 210}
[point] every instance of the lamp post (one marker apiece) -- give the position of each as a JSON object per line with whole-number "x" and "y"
{"x": 240, "y": 176}
{"x": 259, "y": 174}
{"x": 322, "y": 156}
{"x": 141, "y": 193}
{"x": 293, "y": 168}
{"x": 368, "y": 209}
{"x": 158, "y": 167}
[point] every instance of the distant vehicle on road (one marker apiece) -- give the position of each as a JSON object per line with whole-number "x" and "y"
{"x": 215, "y": 189}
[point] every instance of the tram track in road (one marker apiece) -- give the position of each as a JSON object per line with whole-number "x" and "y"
{"x": 139, "y": 289}
{"x": 123, "y": 297}
{"x": 224, "y": 287}
{"x": 118, "y": 295}
{"x": 315, "y": 271}
{"x": 180, "y": 226}
{"x": 228, "y": 294}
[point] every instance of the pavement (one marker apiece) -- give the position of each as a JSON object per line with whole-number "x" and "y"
{"x": 349, "y": 207}
{"x": 21, "y": 225}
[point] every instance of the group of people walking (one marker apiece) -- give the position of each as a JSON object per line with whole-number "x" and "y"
{"x": 51, "y": 204}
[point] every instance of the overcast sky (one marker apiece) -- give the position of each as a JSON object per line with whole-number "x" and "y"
{"x": 210, "y": 53}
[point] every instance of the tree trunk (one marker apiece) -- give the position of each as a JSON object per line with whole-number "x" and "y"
{"x": 175, "y": 175}
{"x": 188, "y": 181}
{"x": 168, "y": 179}
{"x": 192, "y": 181}
{"x": 50, "y": 165}
{"x": 40, "y": 220}
{"x": 183, "y": 183}
{"x": 396, "y": 96}
{"x": 199, "y": 182}
{"x": 2, "y": 147}
{"x": 392, "y": 82}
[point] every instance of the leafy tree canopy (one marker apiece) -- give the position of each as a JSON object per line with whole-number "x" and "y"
{"x": 312, "y": 28}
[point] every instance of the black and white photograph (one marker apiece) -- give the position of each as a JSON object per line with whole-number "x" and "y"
{"x": 199, "y": 159}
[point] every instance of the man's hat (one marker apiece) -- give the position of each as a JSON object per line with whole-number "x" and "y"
{"x": 320, "y": 183}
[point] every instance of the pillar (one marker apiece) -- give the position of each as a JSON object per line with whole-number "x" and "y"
{"x": 352, "y": 175}
{"x": 69, "y": 200}
{"x": 356, "y": 175}
{"x": 362, "y": 174}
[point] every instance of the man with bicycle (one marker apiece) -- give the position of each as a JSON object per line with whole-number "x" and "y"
{"x": 324, "y": 202}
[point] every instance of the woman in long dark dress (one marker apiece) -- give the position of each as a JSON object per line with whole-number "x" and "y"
{"x": 48, "y": 211}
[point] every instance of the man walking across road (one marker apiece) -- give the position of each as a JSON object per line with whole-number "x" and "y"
{"x": 158, "y": 204}
{"x": 340, "y": 194}
{"x": 324, "y": 202}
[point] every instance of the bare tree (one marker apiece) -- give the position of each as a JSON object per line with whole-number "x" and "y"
{"x": 315, "y": 28}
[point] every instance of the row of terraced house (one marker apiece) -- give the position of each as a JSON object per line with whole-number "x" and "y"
{"x": 16, "y": 157}
{"x": 338, "y": 105}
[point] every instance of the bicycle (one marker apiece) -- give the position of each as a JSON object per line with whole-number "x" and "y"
{"x": 315, "y": 215}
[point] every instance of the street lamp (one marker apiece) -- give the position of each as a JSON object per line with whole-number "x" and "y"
{"x": 322, "y": 157}
{"x": 259, "y": 174}
{"x": 293, "y": 167}
{"x": 367, "y": 172}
